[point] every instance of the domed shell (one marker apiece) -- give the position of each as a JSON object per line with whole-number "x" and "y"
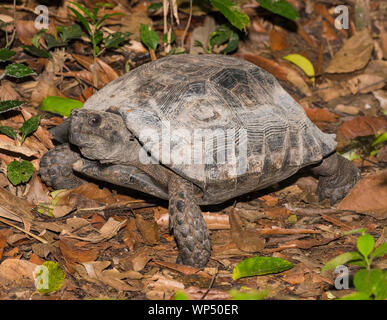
{"x": 219, "y": 121}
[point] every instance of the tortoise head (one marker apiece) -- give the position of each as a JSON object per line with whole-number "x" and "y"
{"x": 100, "y": 135}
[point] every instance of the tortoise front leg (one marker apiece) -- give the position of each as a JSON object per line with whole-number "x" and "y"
{"x": 121, "y": 175}
{"x": 187, "y": 223}
{"x": 56, "y": 168}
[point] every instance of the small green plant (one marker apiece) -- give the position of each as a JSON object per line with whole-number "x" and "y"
{"x": 371, "y": 283}
{"x": 27, "y": 128}
{"x": 92, "y": 24}
{"x": 280, "y": 7}
{"x": 21, "y": 171}
{"x": 225, "y": 36}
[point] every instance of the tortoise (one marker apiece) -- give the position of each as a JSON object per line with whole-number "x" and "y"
{"x": 194, "y": 130}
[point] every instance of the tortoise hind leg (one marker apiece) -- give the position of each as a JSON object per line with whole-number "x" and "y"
{"x": 188, "y": 224}
{"x": 337, "y": 176}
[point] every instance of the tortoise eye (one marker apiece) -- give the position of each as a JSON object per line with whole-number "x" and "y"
{"x": 95, "y": 121}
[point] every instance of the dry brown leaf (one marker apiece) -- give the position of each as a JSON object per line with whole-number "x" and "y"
{"x": 363, "y": 126}
{"x": 139, "y": 259}
{"x": 368, "y": 196}
{"x": 278, "y": 40}
{"x": 3, "y": 244}
{"x": 317, "y": 114}
{"x": 186, "y": 270}
{"x": 105, "y": 73}
{"x": 246, "y": 240}
{"x": 15, "y": 205}
{"x": 277, "y": 213}
{"x": 365, "y": 83}
{"x": 108, "y": 230}
{"x": 383, "y": 41}
{"x": 354, "y": 55}
{"x": 36, "y": 192}
{"x": 17, "y": 272}
{"x": 7, "y": 92}
{"x": 75, "y": 251}
{"x": 148, "y": 229}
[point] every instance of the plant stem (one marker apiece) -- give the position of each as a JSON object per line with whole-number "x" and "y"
{"x": 188, "y": 24}
{"x": 14, "y": 27}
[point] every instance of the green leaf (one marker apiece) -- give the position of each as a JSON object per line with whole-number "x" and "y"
{"x": 380, "y": 291}
{"x": 29, "y": 126}
{"x": 73, "y": 31}
{"x": 52, "y": 42}
{"x": 360, "y": 230}
{"x": 155, "y": 6}
{"x": 9, "y": 105}
{"x": 60, "y": 105}
{"x": 49, "y": 277}
{"x": 36, "y": 38}
{"x": 356, "y": 296}
{"x": 220, "y": 35}
{"x": 232, "y": 12}
{"x": 380, "y": 251}
{"x": 365, "y": 245}
{"x": 8, "y": 131}
{"x": 149, "y": 37}
{"x": 41, "y": 53}
{"x": 368, "y": 280}
{"x": 259, "y": 266}
{"x": 84, "y": 10}
{"x": 82, "y": 19}
{"x": 248, "y": 295}
{"x": 165, "y": 37}
{"x": 281, "y": 7}
{"x": 18, "y": 70}
{"x": 380, "y": 138}
{"x": 107, "y": 16}
{"x": 341, "y": 260}
{"x": 98, "y": 36}
{"x": 303, "y": 63}
{"x": 6, "y": 54}
{"x": 179, "y": 295}
{"x": 19, "y": 172}
{"x": 115, "y": 39}
{"x": 232, "y": 45}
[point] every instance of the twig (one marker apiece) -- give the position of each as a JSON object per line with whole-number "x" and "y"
{"x": 25, "y": 231}
{"x": 188, "y": 23}
{"x": 211, "y": 284}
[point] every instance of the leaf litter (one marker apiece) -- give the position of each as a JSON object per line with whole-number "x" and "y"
{"x": 117, "y": 244}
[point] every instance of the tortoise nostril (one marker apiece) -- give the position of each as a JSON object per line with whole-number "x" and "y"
{"x": 95, "y": 121}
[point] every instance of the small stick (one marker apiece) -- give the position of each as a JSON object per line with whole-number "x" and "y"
{"x": 25, "y": 231}
{"x": 212, "y": 282}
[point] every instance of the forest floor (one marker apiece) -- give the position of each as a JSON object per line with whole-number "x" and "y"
{"x": 114, "y": 243}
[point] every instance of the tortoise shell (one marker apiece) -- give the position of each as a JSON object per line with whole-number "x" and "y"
{"x": 218, "y": 121}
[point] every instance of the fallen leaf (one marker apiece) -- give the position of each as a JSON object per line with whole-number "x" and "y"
{"x": 75, "y": 251}
{"x": 368, "y": 196}
{"x": 186, "y": 270}
{"x": 17, "y": 272}
{"x": 246, "y": 240}
{"x": 354, "y": 55}
{"x": 148, "y": 229}
{"x": 363, "y": 126}
{"x": 278, "y": 40}
{"x": 36, "y": 193}
{"x": 7, "y": 92}
{"x": 317, "y": 114}
{"x": 277, "y": 213}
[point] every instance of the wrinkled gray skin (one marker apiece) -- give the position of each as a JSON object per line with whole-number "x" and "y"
{"x": 220, "y": 92}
